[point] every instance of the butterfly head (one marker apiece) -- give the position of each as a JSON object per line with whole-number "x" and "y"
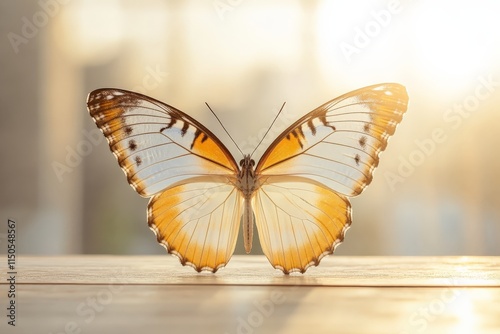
{"x": 246, "y": 179}
{"x": 247, "y": 162}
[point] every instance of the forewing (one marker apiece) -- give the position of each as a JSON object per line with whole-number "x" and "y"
{"x": 156, "y": 145}
{"x": 338, "y": 144}
{"x": 198, "y": 222}
{"x": 299, "y": 222}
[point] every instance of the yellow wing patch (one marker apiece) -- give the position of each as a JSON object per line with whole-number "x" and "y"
{"x": 206, "y": 147}
{"x": 198, "y": 222}
{"x": 299, "y": 222}
{"x": 286, "y": 147}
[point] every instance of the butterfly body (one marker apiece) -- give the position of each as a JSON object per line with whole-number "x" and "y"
{"x": 247, "y": 184}
{"x": 296, "y": 195}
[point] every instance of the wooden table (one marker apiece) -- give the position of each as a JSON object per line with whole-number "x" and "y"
{"x": 155, "y": 294}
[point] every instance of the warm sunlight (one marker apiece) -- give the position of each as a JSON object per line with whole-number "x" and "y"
{"x": 192, "y": 166}
{"x": 453, "y": 40}
{"x": 467, "y": 277}
{"x": 463, "y": 309}
{"x": 448, "y": 42}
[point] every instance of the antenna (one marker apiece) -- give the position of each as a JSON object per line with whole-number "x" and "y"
{"x": 270, "y": 126}
{"x": 224, "y": 128}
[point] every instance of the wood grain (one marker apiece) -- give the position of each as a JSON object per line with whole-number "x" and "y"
{"x": 155, "y": 294}
{"x": 256, "y": 270}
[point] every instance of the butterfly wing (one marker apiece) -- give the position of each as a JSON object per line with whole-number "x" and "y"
{"x": 190, "y": 175}
{"x": 299, "y": 222}
{"x": 338, "y": 144}
{"x": 156, "y": 145}
{"x": 198, "y": 222}
{"x": 301, "y": 208}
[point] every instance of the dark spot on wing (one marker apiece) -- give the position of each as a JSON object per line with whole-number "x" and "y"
{"x": 301, "y": 133}
{"x": 132, "y": 145}
{"x": 366, "y": 127}
{"x": 128, "y": 130}
{"x": 311, "y": 126}
{"x": 184, "y": 129}
{"x": 357, "y": 158}
{"x": 296, "y": 133}
{"x": 173, "y": 120}
{"x": 138, "y": 160}
{"x": 198, "y": 133}
{"x": 323, "y": 120}
{"x": 362, "y": 141}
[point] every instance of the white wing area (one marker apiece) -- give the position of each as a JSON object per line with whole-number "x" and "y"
{"x": 198, "y": 222}
{"x": 299, "y": 222}
{"x": 338, "y": 144}
{"x": 156, "y": 145}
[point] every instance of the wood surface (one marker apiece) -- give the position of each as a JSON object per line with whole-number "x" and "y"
{"x": 155, "y": 294}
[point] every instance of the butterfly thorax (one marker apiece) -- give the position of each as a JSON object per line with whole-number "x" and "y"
{"x": 246, "y": 178}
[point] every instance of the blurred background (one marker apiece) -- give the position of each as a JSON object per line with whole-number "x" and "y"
{"x": 435, "y": 192}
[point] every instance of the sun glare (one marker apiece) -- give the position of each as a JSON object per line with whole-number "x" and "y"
{"x": 463, "y": 310}
{"x": 454, "y": 40}
{"x": 446, "y": 43}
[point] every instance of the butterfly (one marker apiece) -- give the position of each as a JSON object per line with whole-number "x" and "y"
{"x": 296, "y": 195}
